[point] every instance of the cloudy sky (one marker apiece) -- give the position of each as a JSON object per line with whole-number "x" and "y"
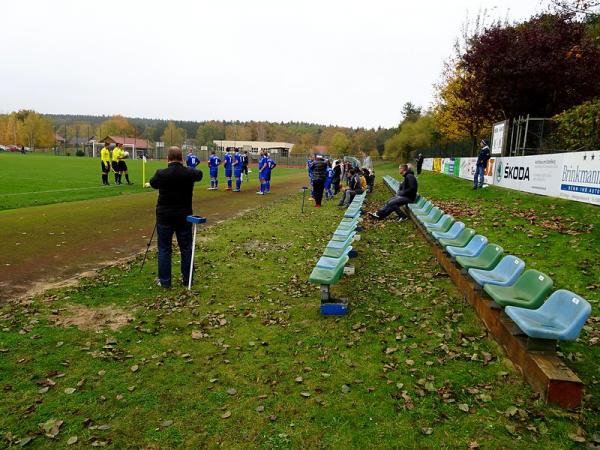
{"x": 352, "y": 63}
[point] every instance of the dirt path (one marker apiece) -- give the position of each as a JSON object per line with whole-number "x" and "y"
{"x": 44, "y": 245}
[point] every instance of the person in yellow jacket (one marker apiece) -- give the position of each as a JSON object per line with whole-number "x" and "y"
{"x": 123, "y": 166}
{"x": 116, "y": 152}
{"x": 105, "y": 162}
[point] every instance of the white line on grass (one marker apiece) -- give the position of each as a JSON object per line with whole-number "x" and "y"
{"x": 57, "y": 190}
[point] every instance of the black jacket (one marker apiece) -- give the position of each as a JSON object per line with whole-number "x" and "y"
{"x": 319, "y": 170}
{"x": 484, "y": 156}
{"x": 408, "y": 187}
{"x": 175, "y": 186}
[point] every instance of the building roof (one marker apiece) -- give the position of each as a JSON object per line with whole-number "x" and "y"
{"x": 254, "y": 144}
{"x": 123, "y": 140}
{"x": 58, "y": 138}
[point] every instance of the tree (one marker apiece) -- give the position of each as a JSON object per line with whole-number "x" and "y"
{"x": 461, "y": 111}
{"x": 37, "y": 130}
{"x": 412, "y": 136}
{"x": 173, "y": 135}
{"x": 579, "y": 127}
{"x": 540, "y": 67}
{"x": 410, "y": 112}
{"x": 339, "y": 144}
{"x": 209, "y": 132}
{"x": 116, "y": 126}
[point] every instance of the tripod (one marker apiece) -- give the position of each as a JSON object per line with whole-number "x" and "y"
{"x": 148, "y": 247}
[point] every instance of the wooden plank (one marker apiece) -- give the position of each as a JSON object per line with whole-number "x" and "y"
{"x": 544, "y": 371}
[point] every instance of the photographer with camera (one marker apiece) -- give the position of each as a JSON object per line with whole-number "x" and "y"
{"x": 175, "y": 186}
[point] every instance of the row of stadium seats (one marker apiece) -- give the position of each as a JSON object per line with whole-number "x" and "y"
{"x": 330, "y": 266}
{"x": 523, "y": 293}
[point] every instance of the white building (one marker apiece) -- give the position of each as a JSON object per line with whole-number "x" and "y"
{"x": 254, "y": 147}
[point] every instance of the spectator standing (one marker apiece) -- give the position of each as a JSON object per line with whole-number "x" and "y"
{"x": 407, "y": 193}
{"x": 337, "y": 177}
{"x": 319, "y": 175}
{"x": 419, "y": 163}
{"x": 482, "y": 161}
{"x": 175, "y": 186}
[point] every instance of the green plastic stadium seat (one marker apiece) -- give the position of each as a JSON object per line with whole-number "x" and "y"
{"x": 488, "y": 258}
{"x": 424, "y": 210}
{"x": 441, "y": 225}
{"x": 461, "y": 240}
{"x": 343, "y": 238}
{"x": 336, "y": 252}
{"x": 529, "y": 291}
{"x": 418, "y": 204}
{"x": 326, "y": 276}
{"x": 434, "y": 215}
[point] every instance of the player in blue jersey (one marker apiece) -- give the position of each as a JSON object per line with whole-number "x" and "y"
{"x": 270, "y": 166}
{"x": 328, "y": 181}
{"x": 192, "y": 160}
{"x": 237, "y": 169}
{"x": 262, "y": 172}
{"x": 228, "y": 158}
{"x": 213, "y": 167}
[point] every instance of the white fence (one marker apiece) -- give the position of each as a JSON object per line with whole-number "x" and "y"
{"x": 572, "y": 176}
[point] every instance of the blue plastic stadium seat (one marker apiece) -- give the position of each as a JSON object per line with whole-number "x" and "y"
{"x": 424, "y": 210}
{"x": 561, "y": 317}
{"x": 434, "y": 215}
{"x": 473, "y": 248}
{"x": 452, "y": 233}
{"x": 508, "y": 270}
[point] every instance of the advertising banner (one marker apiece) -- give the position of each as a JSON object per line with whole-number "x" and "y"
{"x": 572, "y": 176}
{"x": 456, "y": 167}
{"x": 467, "y": 169}
{"x": 499, "y": 136}
{"x": 536, "y": 174}
{"x": 580, "y": 177}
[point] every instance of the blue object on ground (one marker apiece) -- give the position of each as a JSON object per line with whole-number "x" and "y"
{"x": 452, "y": 233}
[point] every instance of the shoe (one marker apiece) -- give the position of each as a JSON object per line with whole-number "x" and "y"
{"x": 374, "y": 215}
{"x": 129, "y": 183}
{"x": 474, "y": 188}
{"x": 159, "y": 284}
{"x": 228, "y": 189}
{"x": 402, "y": 219}
{"x": 267, "y": 192}
{"x": 317, "y": 206}
{"x": 260, "y": 193}
{"x": 236, "y": 190}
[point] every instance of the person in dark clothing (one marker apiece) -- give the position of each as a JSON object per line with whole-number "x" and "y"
{"x": 419, "y": 163}
{"x": 482, "y": 161}
{"x": 319, "y": 174}
{"x": 407, "y": 193}
{"x": 370, "y": 177}
{"x": 245, "y": 164}
{"x": 175, "y": 186}
{"x": 337, "y": 177}
{"x": 354, "y": 188}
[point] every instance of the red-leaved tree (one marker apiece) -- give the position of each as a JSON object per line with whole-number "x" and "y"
{"x": 540, "y": 67}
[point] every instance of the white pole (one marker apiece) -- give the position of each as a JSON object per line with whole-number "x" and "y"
{"x": 192, "y": 259}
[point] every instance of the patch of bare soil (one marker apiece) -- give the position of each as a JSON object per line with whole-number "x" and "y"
{"x": 91, "y": 319}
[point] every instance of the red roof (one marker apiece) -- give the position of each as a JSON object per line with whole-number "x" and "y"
{"x": 122, "y": 140}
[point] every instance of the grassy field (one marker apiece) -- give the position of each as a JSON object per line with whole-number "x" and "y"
{"x": 38, "y": 179}
{"x": 245, "y": 360}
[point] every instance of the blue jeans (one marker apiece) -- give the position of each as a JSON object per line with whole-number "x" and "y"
{"x": 164, "y": 233}
{"x": 478, "y": 173}
{"x": 393, "y": 205}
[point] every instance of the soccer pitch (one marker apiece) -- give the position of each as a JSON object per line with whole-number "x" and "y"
{"x": 39, "y": 179}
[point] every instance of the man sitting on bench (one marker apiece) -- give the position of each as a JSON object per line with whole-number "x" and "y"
{"x": 407, "y": 193}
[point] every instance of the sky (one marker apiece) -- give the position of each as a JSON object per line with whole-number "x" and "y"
{"x": 348, "y": 63}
